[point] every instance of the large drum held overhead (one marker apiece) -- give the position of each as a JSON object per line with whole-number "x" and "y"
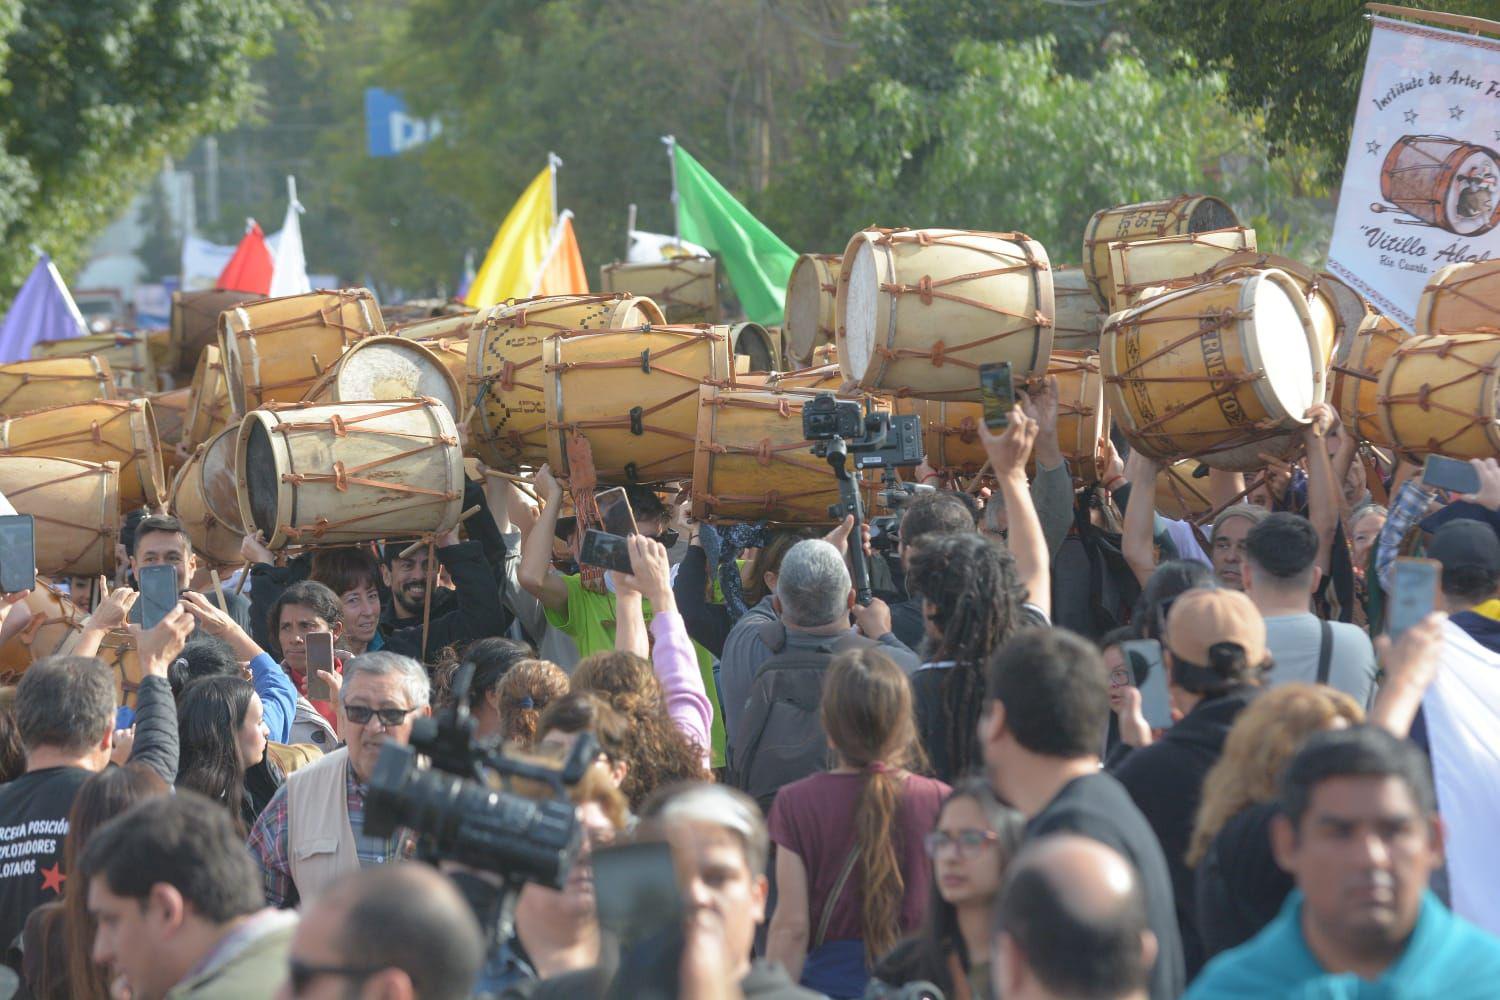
{"x": 1459, "y": 298}
{"x": 75, "y": 505}
{"x": 1222, "y": 371}
{"x": 208, "y": 409}
{"x": 753, "y": 464}
{"x": 105, "y": 430}
{"x": 1146, "y": 220}
{"x": 349, "y": 472}
{"x": 505, "y": 367}
{"x": 1355, "y": 377}
{"x": 1438, "y": 396}
{"x": 42, "y": 382}
{"x": 686, "y": 288}
{"x": 275, "y": 350}
{"x": 1444, "y": 182}
{"x": 128, "y": 357}
{"x": 195, "y": 322}
{"x": 448, "y": 338}
{"x": 1321, "y": 293}
{"x": 811, "y": 305}
{"x": 1079, "y": 317}
{"x": 170, "y": 411}
{"x": 919, "y": 310}
{"x": 1170, "y": 261}
{"x": 633, "y": 395}
{"x": 1180, "y": 496}
{"x": 389, "y": 368}
{"x": 206, "y": 500}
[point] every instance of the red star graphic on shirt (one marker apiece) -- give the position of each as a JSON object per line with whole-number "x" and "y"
{"x": 53, "y": 878}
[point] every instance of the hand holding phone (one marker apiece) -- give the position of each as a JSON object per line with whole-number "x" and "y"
{"x": 17, "y": 553}
{"x": 997, "y": 394}
{"x": 319, "y": 657}
{"x": 159, "y": 593}
{"x": 1413, "y": 594}
{"x": 635, "y": 890}
{"x": 615, "y": 515}
{"x": 1450, "y": 474}
{"x": 600, "y": 548}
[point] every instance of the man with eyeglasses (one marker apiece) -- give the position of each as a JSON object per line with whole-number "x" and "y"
{"x": 398, "y": 932}
{"x": 312, "y": 832}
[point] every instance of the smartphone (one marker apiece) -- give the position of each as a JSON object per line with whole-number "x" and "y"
{"x": 159, "y": 593}
{"x": 1450, "y": 474}
{"x": 17, "y": 553}
{"x": 319, "y": 657}
{"x": 1143, "y": 657}
{"x": 600, "y": 548}
{"x": 635, "y": 890}
{"x": 1413, "y": 595}
{"x": 615, "y": 515}
{"x": 997, "y": 393}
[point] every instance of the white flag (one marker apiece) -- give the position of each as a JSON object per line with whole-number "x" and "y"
{"x": 651, "y": 247}
{"x": 289, "y": 274}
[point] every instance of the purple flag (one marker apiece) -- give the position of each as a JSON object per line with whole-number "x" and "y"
{"x": 42, "y": 310}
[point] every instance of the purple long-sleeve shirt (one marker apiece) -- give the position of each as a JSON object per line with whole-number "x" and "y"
{"x": 681, "y": 681}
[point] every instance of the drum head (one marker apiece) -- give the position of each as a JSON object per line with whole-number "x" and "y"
{"x": 219, "y": 492}
{"x": 860, "y": 305}
{"x": 1282, "y": 341}
{"x": 260, "y": 478}
{"x": 804, "y": 300}
{"x": 754, "y": 342}
{"x": 1211, "y": 213}
{"x": 395, "y": 369}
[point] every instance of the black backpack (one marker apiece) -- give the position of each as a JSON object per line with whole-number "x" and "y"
{"x": 780, "y": 737}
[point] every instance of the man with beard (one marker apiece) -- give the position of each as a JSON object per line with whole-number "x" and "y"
{"x": 1359, "y": 832}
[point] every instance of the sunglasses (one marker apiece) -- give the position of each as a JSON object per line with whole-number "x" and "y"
{"x": 301, "y": 974}
{"x": 389, "y": 717}
{"x": 668, "y": 538}
{"x": 966, "y": 843}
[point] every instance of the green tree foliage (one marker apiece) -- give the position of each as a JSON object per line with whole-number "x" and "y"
{"x": 93, "y": 93}
{"x": 1299, "y": 61}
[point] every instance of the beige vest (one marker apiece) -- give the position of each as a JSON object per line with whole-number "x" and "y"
{"x": 320, "y": 840}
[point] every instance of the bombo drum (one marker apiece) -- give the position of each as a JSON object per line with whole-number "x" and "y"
{"x": 1323, "y": 294}
{"x": 919, "y": 310}
{"x": 275, "y": 350}
{"x": 76, "y": 508}
{"x": 686, "y": 288}
{"x": 206, "y": 500}
{"x": 388, "y": 368}
{"x": 811, "y": 305}
{"x": 633, "y": 395}
{"x": 105, "y": 430}
{"x": 349, "y": 472}
{"x": 1461, "y": 298}
{"x": 1170, "y": 261}
{"x": 1222, "y": 371}
{"x": 505, "y": 367}
{"x": 1079, "y": 317}
{"x": 42, "y": 382}
{"x": 1355, "y": 385}
{"x": 1147, "y": 220}
{"x": 1438, "y": 395}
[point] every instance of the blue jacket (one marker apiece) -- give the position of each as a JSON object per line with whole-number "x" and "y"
{"x": 278, "y": 696}
{"x": 1446, "y": 958}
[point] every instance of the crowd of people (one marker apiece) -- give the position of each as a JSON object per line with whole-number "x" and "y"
{"x": 1073, "y": 748}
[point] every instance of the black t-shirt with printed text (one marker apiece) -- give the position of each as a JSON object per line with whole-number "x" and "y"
{"x": 33, "y": 824}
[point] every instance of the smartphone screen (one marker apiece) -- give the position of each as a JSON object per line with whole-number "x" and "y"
{"x": 615, "y": 515}
{"x": 1143, "y": 658}
{"x": 997, "y": 393}
{"x": 159, "y": 593}
{"x": 1414, "y": 593}
{"x": 17, "y": 553}
{"x": 1450, "y": 474}
{"x": 600, "y": 548}
{"x": 635, "y": 890}
{"x": 319, "y": 657}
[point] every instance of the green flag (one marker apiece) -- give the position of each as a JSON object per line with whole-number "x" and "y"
{"x": 757, "y": 262}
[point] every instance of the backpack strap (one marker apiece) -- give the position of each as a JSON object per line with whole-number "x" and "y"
{"x": 1325, "y": 650}
{"x": 773, "y": 634}
{"x": 833, "y": 897}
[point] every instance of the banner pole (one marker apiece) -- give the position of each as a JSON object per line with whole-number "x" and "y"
{"x": 1475, "y": 24}
{"x": 553, "y": 162}
{"x": 671, "y": 144}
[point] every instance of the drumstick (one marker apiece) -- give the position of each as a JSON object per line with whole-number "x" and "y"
{"x": 978, "y": 482}
{"x": 522, "y": 483}
{"x": 414, "y": 546}
{"x": 239, "y": 584}
{"x": 219, "y": 590}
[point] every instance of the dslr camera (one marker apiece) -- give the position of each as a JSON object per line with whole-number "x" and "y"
{"x": 459, "y": 808}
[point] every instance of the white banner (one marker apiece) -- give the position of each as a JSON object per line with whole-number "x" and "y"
{"x": 1422, "y": 180}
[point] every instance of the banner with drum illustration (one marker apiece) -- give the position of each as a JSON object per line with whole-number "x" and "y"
{"x": 1422, "y": 180}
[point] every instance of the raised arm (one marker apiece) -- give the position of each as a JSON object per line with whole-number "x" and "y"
{"x": 1138, "y": 534}
{"x": 535, "y": 572}
{"x": 673, "y": 656}
{"x": 112, "y": 613}
{"x": 1008, "y": 452}
{"x": 1323, "y": 491}
{"x": 156, "y": 744}
{"x": 278, "y": 695}
{"x": 1052, "y": 487}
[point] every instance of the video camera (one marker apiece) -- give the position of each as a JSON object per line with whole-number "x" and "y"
{"x": 459, "y": 809}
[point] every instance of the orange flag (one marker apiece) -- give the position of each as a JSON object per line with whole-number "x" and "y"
{"x": 562, "y": 270}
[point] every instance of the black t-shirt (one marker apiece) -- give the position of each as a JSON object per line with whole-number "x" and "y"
{"x": 33, "y": 822}
{"x": 1098, "y": 807}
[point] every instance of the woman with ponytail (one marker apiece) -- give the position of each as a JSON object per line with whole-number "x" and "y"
{"x": 525, "y": 690}
{"x": 852, "y": 875}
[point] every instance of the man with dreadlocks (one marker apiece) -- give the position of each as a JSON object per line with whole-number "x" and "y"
{"x": 976, "y": 592}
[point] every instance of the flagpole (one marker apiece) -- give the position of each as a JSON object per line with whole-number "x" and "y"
{"x": 553, "y": 162}
{"x": 671, "y": 144}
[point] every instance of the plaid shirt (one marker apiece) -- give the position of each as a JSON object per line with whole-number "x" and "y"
{"x": 1407, "y": 507}
{"x": 268, "y": 842}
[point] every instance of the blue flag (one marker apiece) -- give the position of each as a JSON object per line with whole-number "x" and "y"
{"x": 42, "y": 310}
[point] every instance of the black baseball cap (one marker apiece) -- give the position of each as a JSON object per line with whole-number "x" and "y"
{"x": 1463, "y": 543}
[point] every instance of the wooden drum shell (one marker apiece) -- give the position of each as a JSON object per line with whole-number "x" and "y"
{"x": 44, "y": 382}
{"x": 76, "y": 507}
{"x": 206, "y": 500}
{"x": 105, "y": 430}
{"x": 1438, "y": 396}
{"x": 1461, "y": 298}
{"x": 811, "y": 305}
{"x": 1354, "y": 388}
{"x": 1186, "y": 213}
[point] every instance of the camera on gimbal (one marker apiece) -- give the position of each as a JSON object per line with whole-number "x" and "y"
{"x": 873, "y": 437}
{"x": 459, "y": 808}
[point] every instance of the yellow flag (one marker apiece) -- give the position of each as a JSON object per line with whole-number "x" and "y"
{"x": 515, "y": 257}
{"x": 562, "y": 272}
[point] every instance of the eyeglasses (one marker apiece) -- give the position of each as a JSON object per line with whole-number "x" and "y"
{"x": 301, "y": 974}
{"x": 966, "y": 842}
{"x": 389, "y": 717}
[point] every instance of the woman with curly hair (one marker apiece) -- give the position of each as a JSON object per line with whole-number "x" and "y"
{"x": 491, "y": 659}
{"x": 1240, "y": 887}
{"x": 525, "y": 690}
{"x": 973, "y": 600}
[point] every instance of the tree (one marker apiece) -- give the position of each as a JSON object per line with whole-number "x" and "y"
{"x": 96, "y": 92}
{"x": 1300, "y": 63}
